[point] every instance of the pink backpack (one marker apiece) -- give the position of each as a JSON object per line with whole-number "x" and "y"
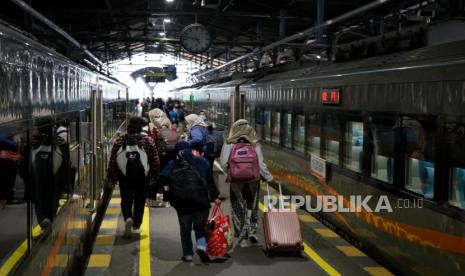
{"x": 243, "y": 164}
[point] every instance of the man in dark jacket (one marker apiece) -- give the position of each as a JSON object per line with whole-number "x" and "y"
{"x": 192, "y": 212}
{"x": 133, "y": 187}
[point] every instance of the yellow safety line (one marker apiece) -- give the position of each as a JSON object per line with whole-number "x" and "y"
{"x": 11, "y": 262}
{"x": 313, "y": 255}
{"x": 144, "y": 252}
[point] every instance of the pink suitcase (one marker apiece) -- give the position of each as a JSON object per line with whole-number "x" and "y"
{"x": 282, "y": 231}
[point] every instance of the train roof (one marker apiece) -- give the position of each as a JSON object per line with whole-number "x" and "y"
{"x": 453, "y": 51}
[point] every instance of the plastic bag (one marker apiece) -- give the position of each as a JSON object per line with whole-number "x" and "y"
{"x": 219, "y": 235}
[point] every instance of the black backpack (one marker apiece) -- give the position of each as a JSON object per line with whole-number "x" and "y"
{"x": 187, "y": 186}
{"x": 210, "y": 146}
{"x": 219, "y": 141}
{"x": 132, "y": 160}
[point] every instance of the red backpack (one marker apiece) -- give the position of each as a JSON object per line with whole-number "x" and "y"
{"x": 243, "y": 164}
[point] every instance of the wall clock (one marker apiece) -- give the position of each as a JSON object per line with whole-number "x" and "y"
{"x": 195, "y": 38}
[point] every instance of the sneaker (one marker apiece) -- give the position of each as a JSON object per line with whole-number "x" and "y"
{"x": 203, "y": 256}
{"x": 187, "y": 258}
{"x": 136, "y": 230}
{"x": 128, "y": 228}
{"x": 253, "y": 239}
{"x": 244, "y": 243}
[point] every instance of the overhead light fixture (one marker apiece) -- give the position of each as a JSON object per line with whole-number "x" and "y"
{"x": 169, "y": 1}
{"x": 162, "y": 33}
{"x": 167, "y": 20}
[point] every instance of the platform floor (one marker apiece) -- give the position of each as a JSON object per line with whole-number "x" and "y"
{"x": 157, "y": 251}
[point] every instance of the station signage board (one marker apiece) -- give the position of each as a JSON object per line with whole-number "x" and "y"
{"x": 318, "y": 166}
{"x": 154, "y": 76}
{"x": 331, "y": 96}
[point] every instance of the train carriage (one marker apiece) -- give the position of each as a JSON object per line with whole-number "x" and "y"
{"x": 41, "y": 89}
{"x": 385, "y": 126}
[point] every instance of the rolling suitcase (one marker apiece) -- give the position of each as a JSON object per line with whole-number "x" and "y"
{"x": 282, "y": 230}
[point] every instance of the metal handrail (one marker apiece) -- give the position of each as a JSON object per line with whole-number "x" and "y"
{"x": 301, "y": 34}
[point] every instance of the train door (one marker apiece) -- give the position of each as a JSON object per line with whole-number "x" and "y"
{"x": 96, "y": 144}
{"x": 237, "y": 105}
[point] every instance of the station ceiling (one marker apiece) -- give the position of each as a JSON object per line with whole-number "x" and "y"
{"x": 117, "y": 29}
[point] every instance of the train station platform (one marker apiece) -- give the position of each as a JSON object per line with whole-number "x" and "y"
{"x": 157, "y": 250}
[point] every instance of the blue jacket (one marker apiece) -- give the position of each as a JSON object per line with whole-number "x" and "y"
{"x": 173, "y": 116}
{"x": 198, "y": 136}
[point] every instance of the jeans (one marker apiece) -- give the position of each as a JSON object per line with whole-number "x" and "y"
{"x": 133, "y": 193}
{"x": 196, "y": 220}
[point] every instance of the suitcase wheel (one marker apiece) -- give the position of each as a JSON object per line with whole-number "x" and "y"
{"x": 269, "y": 253}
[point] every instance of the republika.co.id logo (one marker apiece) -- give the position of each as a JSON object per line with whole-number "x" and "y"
{"x": 341, "y": 204}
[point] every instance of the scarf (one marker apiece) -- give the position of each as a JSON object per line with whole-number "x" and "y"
{"x": 194, "y": 120}
{"x": 159, "y": 118}
{"x": 242, "y": 129}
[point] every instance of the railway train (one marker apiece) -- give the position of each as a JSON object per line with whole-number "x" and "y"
{"x": 42, "y": 94}
{"x": 388, "y": 126}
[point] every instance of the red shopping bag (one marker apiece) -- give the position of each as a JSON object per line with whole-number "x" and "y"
{"x": 219, "y": 236}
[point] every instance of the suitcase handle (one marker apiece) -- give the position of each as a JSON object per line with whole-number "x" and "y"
{"x": 280, "y": 197}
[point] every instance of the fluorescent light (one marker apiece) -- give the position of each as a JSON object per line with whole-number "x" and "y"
{"x": 162, "y": 34}
{"x": 169, "y": 1}
{"x": 167, "y": 20}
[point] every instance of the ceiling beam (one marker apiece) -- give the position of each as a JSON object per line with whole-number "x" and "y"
{"x": 161, "y": 12}
{"x": 163, "y": 40}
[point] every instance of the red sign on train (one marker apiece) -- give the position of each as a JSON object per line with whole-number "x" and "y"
{"x": 331, "y": 96}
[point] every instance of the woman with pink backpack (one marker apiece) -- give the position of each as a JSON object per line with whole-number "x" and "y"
{"x": 242, "y": 157}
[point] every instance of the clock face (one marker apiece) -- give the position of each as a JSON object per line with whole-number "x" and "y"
{"x": 195, "y": 38}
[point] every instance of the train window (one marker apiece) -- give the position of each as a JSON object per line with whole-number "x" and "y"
{"x": 251, "y": 117}
{"x": 247, "y": 113}
{"x": 383, "y": 144}
{"x": 267, "y": 126}
{"x": 354, "y": 146}
{"x": 332, "y": 132}
{"x": 299, "y": 133}
{"x": 276, "y": 127}
{"x": 456, "y": 143}
{"x": 419, "y": 139}
{"x": 287, "y": 127}
{"x": 313, "y": 134}
{"x": 259, "y": 123}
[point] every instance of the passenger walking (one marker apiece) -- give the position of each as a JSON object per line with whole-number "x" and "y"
{"x": 179, "y": 107}
{"x": 244, "y": 195}
{"x": 167, "y": 136}
{"x": 173, "y": 115}
{"x": 186, "y": 186}
{"x": 135, "y": 165}
{"x": 197, "y": 130}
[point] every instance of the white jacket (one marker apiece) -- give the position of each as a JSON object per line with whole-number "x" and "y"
{"x": 226, "y": 151}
